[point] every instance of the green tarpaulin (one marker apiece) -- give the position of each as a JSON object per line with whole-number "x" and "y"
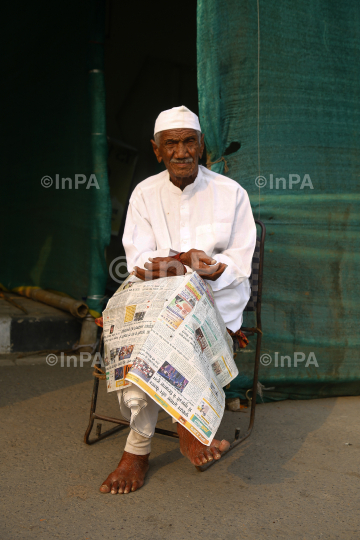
{"x": 282, "y": 79}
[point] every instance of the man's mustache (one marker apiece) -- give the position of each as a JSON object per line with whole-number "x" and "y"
{"x": 184, "y": 160}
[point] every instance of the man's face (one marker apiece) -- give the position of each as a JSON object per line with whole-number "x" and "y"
{"x": 180, "y": 150}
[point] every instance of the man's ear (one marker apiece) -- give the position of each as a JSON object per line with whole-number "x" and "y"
{"x": 156, "y": 151}
{"x": 202, "y": 146}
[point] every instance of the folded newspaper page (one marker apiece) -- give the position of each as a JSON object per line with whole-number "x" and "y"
{"x": 168, "y": 337}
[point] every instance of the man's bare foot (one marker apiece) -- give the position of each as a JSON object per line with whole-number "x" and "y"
{"x": 128, "y": 476}
{"x": 195, "y": 451}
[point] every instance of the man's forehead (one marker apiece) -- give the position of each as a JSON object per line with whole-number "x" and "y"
{"x": 178, "y": 133}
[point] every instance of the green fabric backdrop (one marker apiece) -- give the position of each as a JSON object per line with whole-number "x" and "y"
{"x": 309, "y": 108}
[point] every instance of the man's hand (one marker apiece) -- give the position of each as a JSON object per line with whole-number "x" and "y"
{"x": 200, "y": 263}
{"x": 160, "y": 267}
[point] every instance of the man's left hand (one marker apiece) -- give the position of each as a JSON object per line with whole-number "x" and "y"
{"x": 205, "y": 266}
{"x": 160, "y": 267}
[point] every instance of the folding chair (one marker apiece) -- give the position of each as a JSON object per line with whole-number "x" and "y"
{"x": 253, "y": 305}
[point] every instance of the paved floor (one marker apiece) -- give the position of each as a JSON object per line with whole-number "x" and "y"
{"x": 297, "y": 477}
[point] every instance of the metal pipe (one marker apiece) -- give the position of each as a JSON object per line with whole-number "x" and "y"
{"x": 167, "y": 432}
{"x": 106, "y": 434}
{"x": 127, "y": 424}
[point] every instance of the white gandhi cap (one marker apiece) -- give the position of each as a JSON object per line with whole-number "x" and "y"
{"x": 177, "y": 117}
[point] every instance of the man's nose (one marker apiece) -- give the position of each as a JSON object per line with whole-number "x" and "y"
{"x": 181, "y": 150}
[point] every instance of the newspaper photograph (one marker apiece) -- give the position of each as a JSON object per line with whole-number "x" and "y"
{"x": 167, "y": 337}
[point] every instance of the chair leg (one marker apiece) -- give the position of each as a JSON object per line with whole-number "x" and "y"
{"x": 94, "y": 416}
{"x": 122, "y": 424}
{"x": 255, "y": 382}
{"x": 92, "y": 410}
{"x": 237, "y": 440}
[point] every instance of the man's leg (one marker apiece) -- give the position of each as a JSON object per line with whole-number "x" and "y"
{"x": 134, "y": 464}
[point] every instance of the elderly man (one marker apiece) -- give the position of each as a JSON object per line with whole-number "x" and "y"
{"x": 186, "y": 218}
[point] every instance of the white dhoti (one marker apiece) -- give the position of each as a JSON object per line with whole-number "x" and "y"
{"x": 142, "y": 413}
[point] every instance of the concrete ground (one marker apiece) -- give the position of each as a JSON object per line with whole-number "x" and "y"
{"x": 296, "y": 477}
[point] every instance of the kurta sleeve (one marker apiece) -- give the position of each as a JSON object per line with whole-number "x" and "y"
{"x": 138, "y": 239}
{"x": 239, "y": 252}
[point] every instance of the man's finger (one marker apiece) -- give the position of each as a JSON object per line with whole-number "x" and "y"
{"x": 145, "y": 275}
{"x": 158, "y": 259}
{"x": 149, "y": 275}
{"x": 207, "y": 260}
{"x": 209, "y": 269}
{"x": 151, "y": 266}
{"x": 214, "y": 276}
{"x": 152, "y": 274}
{"x": 139, "y": 273}
{"x": 217, "y": 274}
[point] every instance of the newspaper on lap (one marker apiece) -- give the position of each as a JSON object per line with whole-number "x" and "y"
{"x": 167, "y": 337}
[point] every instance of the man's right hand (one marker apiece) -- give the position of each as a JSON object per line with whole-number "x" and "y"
{"x": 159, "y": 267}
{"x": 204, "y": 265}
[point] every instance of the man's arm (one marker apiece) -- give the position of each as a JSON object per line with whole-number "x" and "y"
{"x": 138, "y": 239}
{"x": 233, "y": 265}
{"x": 139, "y": 242}
{"x": 240, "y": 249}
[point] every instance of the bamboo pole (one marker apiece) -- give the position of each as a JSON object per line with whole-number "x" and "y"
{"x": 75, "y": 307}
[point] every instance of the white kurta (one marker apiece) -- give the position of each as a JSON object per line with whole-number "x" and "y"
{"x": 212, "y": 214}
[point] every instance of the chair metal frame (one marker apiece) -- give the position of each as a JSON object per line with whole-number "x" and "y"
{"x": 123, "y": 424}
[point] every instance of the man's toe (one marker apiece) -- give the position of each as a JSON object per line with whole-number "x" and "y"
{"x": 105, "y": 488}
{"x": 215, "y": 452}
{"x": 224, "y": 445}
{"x": 114, "y": 487}
{"x": 209, "y": 456}
{"x": 128, "y": 487}
{"x": 203, "y": 458}
{"x": 217, "y": 447}
{"x": 122, "y": 486}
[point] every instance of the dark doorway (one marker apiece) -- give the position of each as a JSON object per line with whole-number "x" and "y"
{"x": 150, "y": 65}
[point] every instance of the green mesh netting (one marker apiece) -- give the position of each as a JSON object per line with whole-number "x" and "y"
{"x": 53, "y": 124}
{"x": 308, "y": 97}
